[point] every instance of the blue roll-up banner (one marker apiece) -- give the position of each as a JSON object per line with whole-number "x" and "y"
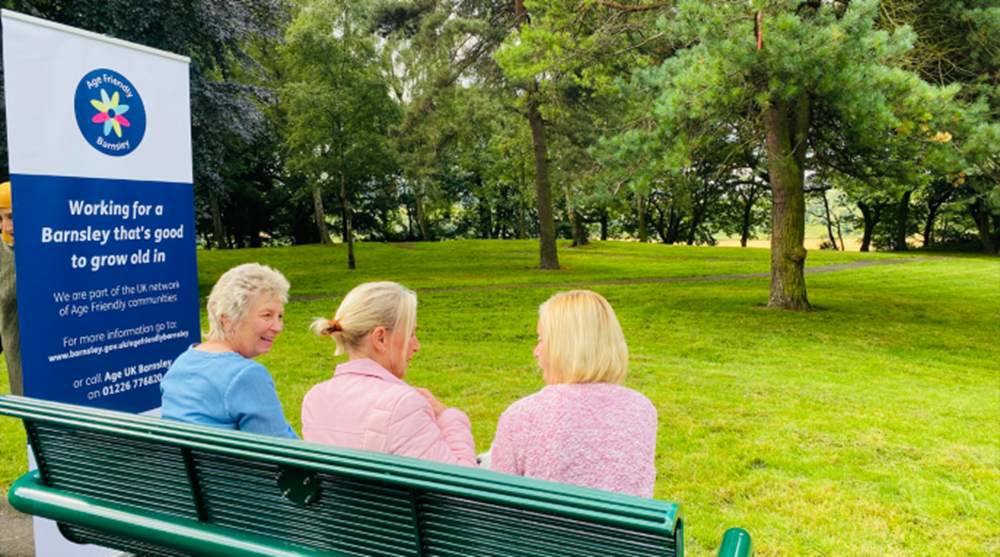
{"x": 99, "y": 139}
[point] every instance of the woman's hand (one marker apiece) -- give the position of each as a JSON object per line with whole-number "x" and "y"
{"x": 435, "y": 403}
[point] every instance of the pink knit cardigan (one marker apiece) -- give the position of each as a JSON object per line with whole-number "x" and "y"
{"x": 366, "y": 407}
{"x": 597, "y": 435}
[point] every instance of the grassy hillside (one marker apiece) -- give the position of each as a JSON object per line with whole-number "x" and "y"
{"x": 866, "y": 427}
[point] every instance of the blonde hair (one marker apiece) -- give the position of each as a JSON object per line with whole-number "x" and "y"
{"x": 366, "y": 307}
{"x": 233, "y": 292}
{"x": 582, "y": 339}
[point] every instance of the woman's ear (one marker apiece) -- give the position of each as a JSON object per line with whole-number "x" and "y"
{"x": 380, "y": 339}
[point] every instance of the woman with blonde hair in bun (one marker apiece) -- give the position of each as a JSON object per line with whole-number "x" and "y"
{"x": 584, "y": 427}
{"x": 367, "y": 405}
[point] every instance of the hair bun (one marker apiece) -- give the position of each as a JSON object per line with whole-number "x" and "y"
{"x": 326, "y": 327}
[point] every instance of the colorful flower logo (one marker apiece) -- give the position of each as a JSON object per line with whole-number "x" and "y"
{"x": 110, "y": 112}
{"x": 113, "y": 96}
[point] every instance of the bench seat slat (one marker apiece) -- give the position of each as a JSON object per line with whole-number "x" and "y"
{"x": 318, "y": 517}
{"x": 461, "y": 533}
{"x": 533, "y": 532}
{"x": 115, "y": 496}
{"x": 459, "y": 546}
{"x": 111, "y": 482}
{"x": 529, "y": 533}
{"x": 223, "y": 495}
{"x": 344, "y": 541}
{"x": 219, "y": 465}
{"x": 384, "y": 539}
{"x": 136, "y": 548}
{"x": 370, "y": 495}
{"x": 30, "y": 495}
{"x": 448, "y": 505}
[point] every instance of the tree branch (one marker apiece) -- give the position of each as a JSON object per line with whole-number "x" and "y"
{"x": 631, "y": 8}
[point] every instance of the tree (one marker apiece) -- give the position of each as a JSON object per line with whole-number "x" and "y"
{"x": 822, "y": 78}
{"x": 548, "y": 256}
{"x": 338, "y": 110}
{"x": 215, "y": 36}
{"x": 567, "y": 57}
{"x": 956, "y": 45}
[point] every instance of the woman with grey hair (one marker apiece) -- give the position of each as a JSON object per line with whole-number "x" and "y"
{"x": 217, "y": 382}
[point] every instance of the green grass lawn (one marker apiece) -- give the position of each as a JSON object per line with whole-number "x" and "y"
{"x": 866, "y": 427}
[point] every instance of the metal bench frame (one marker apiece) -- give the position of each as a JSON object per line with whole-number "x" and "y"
{"x": 307, "y": 500}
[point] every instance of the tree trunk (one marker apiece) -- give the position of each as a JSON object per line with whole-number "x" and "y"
{"x": 659, "y": 223}
{"x": 980, "y": 213}
{"x": 902, "y": 216}
{"x": 345, "y": 204}
{"x": 579, "y": 230}
{"x": 840, "y": 236}
{"x": 485, "y": 220}
{"x": 786, "y": 127}
{"x": 385, "y": 225}
{"x": 343, "y": 224}
{"x": 522, "y": 220}
{"x": 934, "y": 203}
{"x": 485, "y": 212}
{"x": 829, "y": 221}
{"x": 697, "y": 215}
{"x": 604, "y": 224}
{"x": 409, "y": 222}
{"x": 640, "y": 206}
{"x": 745, "y": 223}
{"x": 422, "y": 224}
{"x": 932, "y": 211}
{"x": 870, "y": 215}
{"x": 548, "y": 257}
{"x": 522, "y": 209}
{"x": 217, "y": 231}
{"x": 693, "y": 230}
{"x": 320, "y": 214}
{"x": 673, "y": 226}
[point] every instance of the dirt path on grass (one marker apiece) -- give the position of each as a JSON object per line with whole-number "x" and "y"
{"x": 644, "y": 280}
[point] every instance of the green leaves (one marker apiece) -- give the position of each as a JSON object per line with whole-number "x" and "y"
{"x": 335, "y": 101}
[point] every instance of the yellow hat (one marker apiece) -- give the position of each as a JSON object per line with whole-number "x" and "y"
{"x": 5, "y": 203}
{"x": 5, "y": 195}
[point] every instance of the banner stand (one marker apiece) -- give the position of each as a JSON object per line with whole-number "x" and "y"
{"x": 99, "y": 140}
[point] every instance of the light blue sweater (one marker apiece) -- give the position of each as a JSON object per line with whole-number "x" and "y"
{"x": 223, "y": 389}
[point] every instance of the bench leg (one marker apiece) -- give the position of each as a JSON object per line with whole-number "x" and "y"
{"x": 736, "y": 543}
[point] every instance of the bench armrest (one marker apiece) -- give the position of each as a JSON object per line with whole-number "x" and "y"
{"x": 30, "y": 496}
{"x": 736, "y": 543}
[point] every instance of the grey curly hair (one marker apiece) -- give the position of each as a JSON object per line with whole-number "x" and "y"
{"x": 235, "y": 289}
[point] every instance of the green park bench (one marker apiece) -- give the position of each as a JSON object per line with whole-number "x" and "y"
{"x": 160, "y": 488}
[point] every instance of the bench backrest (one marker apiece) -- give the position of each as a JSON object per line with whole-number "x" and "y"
{"x": 306, "y": 499}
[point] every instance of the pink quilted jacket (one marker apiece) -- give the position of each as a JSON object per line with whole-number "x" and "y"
{"x": 366, "y": 407}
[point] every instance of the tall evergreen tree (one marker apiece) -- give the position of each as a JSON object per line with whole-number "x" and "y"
{"x": 823, "y": 80}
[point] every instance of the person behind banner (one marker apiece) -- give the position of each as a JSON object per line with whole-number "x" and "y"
{"x": 9, "y": 329}
{"x": 584, "y": 428}
{"x": 217, "y": 382}
{"x": 367, "y": 405}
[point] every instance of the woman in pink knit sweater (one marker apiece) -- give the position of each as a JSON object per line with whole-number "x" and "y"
{"x": 583, "y": 428}
{"x": 367, "y": 405}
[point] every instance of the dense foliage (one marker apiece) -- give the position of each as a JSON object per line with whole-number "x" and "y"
{"x": 670, "y": 121}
